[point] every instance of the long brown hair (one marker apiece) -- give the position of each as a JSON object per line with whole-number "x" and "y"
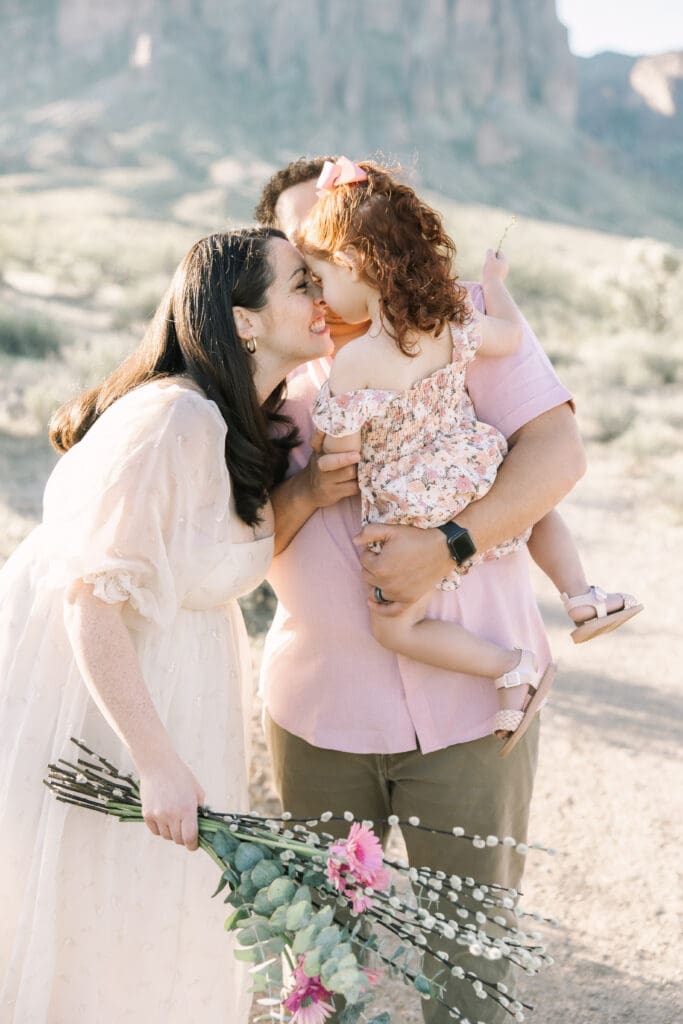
{"x": 193, "y": 333}
{"x": 401, "y": 249}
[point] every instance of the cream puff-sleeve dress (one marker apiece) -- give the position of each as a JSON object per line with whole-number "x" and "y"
{"x": 102, "y": 921}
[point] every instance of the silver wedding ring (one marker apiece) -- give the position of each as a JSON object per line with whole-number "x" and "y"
{"x": 380, "y": 598}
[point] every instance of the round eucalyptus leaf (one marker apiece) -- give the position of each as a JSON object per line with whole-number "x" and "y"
{"x": 281, "y": 891}
{"x": 265, "y": 872}
{"x": 311, "y": 964}
{"x": 423, "y": 985}
{"x": 298, "y": 915}
{"x": 247, "y": 856}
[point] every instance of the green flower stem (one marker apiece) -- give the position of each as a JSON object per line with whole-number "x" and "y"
{"x": 131, "y": 812}
{"x": 205, "y": 845}
{"x": 285, "y": 844}
{"x": 289, "y": 956}
{"x": 259, "y": 838}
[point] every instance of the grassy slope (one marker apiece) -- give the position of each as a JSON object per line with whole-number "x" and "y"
{"x": 86, "y": 266}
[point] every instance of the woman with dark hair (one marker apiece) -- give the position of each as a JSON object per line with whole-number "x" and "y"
{"x": 120, "y": 624}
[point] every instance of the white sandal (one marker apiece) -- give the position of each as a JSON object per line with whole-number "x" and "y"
{"x": 524, "y": 674}
{"x": 603, "y": 621}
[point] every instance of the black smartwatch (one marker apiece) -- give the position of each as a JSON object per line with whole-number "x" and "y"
{"x": 460, "y": 543}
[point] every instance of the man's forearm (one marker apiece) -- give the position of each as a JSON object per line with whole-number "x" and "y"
{"x": 544, "y": 462}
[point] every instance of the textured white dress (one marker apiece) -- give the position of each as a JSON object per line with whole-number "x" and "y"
{"x": 102, "y": 921}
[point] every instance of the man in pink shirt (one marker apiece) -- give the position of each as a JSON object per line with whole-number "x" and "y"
{"x": 352, "y": 726}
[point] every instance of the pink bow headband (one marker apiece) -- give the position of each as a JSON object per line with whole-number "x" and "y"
{"x": 342, "y": 172}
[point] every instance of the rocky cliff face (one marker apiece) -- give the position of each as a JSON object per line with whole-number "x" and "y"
{"x": 450, "y": 66}
{"x": 635, "y": 105}
{"x": 483, "y": 96}
{"x": 446, "y": 54}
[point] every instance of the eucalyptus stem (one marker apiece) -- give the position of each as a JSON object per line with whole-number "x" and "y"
{"x": 205, "y": 845}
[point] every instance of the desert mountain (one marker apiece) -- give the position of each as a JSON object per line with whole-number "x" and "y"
{"x": 481, "y": 97}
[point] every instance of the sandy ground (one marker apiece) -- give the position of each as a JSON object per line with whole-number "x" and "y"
{"x": 609, "y": 792}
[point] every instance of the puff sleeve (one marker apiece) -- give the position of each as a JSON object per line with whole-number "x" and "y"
{"x": 467, "y": 339}
{"x": 139, "y": 508}
{"x": 340, "y": 415}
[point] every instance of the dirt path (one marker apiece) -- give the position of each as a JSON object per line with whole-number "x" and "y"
{"x": 610, "y": 784}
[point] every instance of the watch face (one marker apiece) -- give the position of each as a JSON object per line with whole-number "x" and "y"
{"x": 466, "y": 546}
{"x": 461, "y": 544}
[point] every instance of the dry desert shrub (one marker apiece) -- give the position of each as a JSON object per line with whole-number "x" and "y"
{"x": 26, "y": 337}
{"x": 611, "y": 422}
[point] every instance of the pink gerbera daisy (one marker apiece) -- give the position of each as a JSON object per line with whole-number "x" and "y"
{"x": 308, "y": 999}
{"x": 356, "y": 863}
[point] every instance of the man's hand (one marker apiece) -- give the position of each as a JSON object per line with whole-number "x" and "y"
{"x": 411, "y": 562}
{"x": 331, "y": 477}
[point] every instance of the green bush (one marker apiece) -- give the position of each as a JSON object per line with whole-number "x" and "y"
{"x": 612, "y": 422}
{"x": 28, "y": 337}
{"x": 666, "y": 367}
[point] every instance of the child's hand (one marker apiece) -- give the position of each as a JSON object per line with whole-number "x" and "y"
{"x": 496, "y": 266}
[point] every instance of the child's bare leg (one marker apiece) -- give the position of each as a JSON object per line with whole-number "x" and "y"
{"x": 442, "y": 644}
{"x": 447, "y": 645}
{"x": 553, "y": 550}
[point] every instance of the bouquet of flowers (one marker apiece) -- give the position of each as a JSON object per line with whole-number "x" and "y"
{"x": 311, "y": 910}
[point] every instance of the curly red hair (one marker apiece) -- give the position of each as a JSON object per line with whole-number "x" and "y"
{"x": 400, "y": 247}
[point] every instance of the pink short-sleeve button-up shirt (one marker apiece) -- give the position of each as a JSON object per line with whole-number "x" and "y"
{"x": 323, "y": 675}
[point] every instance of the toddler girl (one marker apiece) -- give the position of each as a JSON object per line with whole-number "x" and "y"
{"x": 398, "y": 395}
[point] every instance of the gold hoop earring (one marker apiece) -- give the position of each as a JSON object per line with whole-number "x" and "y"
{"x": 250, "y": 346}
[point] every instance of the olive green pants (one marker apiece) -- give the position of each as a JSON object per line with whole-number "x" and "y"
{"x": 466, "y": 784}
